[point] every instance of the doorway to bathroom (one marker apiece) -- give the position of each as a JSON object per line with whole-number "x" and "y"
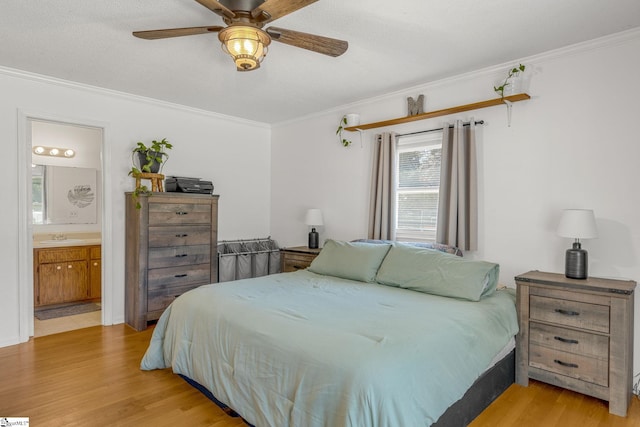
{"x": 64, "y": 210}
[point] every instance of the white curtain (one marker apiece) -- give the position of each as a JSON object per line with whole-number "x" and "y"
{"x": 382, "y": 208}
{"x": 458, "y": 206}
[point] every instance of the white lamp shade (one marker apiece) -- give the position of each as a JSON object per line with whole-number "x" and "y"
{"x": 578, "y": 224}
{"x": 313, "y": 217}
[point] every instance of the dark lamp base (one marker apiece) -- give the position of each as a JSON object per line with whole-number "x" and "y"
{"x": 313, "y": 239}
{"x": 576, "y": 261}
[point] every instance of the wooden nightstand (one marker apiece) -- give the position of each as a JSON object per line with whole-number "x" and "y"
{"x": 577, "y": 334}
{"x": 297, "y": 258}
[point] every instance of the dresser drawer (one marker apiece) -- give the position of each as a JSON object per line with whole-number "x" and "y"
{"x": 179, "y": 213}
{"x": 594, "y": 317}
{"x": 589, "y": 369}
{"x": 174, "y": 256}
{"x": 159, "y": 299}
{"x": 172, "y": 276}
{"x": 569, "y": 340}
{"x": 179, "y": 236}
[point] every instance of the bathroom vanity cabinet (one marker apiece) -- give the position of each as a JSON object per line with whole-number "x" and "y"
{"x": 66, "y": 274}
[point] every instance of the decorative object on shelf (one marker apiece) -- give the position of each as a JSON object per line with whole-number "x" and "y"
{"x": 512, "y": 84}
{"x": 343, "y": 123}
{"x": 151, "y": 159}
{"x": 415, "y": 106}
{"x": 353, "y": 119}
{"x": 577, "y": 224}
{"x": 313, "y": 219}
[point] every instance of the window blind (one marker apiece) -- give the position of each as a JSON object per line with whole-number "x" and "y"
{"x": 417, "y": 186}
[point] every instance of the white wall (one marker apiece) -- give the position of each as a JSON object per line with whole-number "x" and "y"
{"x": 234, "y": 154}
{"x": 573, "y": 145}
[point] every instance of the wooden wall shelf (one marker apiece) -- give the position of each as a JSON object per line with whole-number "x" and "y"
{"x": 443, "y": 112}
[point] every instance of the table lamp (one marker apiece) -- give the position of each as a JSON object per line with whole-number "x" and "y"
{"x": 314, "y": 219}
{"x": 577, "y": 224}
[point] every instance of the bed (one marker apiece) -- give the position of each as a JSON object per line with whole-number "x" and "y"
{"x": 370, "y": 335}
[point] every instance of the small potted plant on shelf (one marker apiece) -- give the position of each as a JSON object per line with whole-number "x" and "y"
{"x": 343, "y": 123}
{"x": 509, "y": 85}
{"x": 151, "y": 159}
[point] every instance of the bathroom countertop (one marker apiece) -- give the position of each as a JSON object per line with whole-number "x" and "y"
{"x": 66, "y": 239}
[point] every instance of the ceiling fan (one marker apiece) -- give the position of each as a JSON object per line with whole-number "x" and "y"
{"x": 244, "y": 39}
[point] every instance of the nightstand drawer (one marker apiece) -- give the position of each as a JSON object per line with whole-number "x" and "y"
{"x": 293, "y": 262}
{"x": 297, "y": 258}
{"x": 569, "y": 340}
{"x": 590, "y": 369}
{"x": 577, "y": 314}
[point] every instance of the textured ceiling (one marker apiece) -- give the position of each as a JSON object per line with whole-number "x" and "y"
{"x": 392, "y": 45}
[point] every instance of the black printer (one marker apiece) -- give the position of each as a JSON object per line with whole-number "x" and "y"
{"x": 182, "y": 184}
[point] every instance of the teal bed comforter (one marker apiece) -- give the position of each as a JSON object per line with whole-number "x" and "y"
{"x": 302, "y": 349}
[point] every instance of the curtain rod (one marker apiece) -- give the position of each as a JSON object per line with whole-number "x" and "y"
{"x": 478, "y": 122}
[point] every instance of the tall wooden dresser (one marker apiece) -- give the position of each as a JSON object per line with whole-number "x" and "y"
{"x": 171, "y": 247}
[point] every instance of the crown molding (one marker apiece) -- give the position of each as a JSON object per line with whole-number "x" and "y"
{"x": 40, "y": 78}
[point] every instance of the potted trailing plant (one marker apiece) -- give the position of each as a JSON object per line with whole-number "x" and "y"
{"x": 508, "y": 83}
{"x": 151, "y": 159}
{"x": 343, "y": 123}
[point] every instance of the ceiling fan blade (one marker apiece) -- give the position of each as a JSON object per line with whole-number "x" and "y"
{"x": 217, "y": 7}
{"x": 320, "y": 44}
{"x": 279, "y": 8}
{"x": 175, "y": 32}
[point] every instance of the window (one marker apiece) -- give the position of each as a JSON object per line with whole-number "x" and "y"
{"x": 418, "y": 186}
{"x": 37, "y": 193}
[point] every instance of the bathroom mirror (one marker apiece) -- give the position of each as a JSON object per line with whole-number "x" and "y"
{"x": 63, "y": 195}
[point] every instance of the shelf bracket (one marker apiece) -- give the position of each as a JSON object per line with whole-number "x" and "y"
{"x": 360, "y": 131}
{"x": 509, "y": 105}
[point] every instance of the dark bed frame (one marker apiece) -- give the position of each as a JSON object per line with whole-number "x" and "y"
{"x": 484, "y": 390}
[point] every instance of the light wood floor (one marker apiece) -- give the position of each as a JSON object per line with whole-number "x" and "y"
{"x": 91, "y": 377}
{"x": 67, "y": 323}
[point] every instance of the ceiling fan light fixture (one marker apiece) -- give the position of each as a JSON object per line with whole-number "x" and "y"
{"x": 247, "y": 45}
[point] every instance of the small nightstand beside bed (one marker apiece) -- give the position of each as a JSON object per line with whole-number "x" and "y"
{"x": 369, "y": 335}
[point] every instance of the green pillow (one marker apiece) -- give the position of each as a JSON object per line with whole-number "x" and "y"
{"x": 354, "y": 261}
{"x": 438, "y": 273}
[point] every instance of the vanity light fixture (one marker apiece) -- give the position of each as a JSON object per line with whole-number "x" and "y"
{"x": 53, "y": 151}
